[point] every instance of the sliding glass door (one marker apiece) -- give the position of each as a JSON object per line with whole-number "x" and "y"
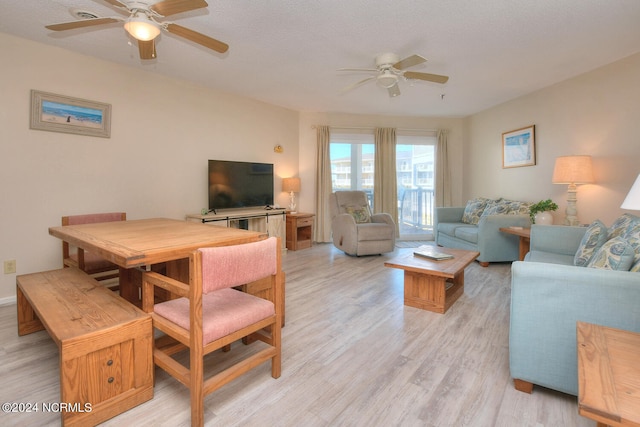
{"x": 352, "y": 160}
{"x": 415, "y": 173}
{"x": 352, "y": 168}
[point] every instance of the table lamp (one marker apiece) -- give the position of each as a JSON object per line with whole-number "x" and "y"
{"x": 572, "y": 170}
{"x": 291, "y": 185}
{"x": 632, "y": 201}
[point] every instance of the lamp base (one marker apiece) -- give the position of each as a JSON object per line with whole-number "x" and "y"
{"x": 571, "y": 212}
{"x": 292, "y": 202}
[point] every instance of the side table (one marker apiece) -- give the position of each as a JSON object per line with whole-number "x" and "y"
{"x": 608, "y": 375}
{"x": 299, "y": 230}
{"x": 525, "y": 239}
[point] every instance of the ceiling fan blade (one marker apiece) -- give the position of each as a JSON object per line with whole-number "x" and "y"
{"x": 355, "y": 85}
{"x": 199, "y": 38}
{"x": 147, "y": 49}
{"x": 426, "y": 76}
{"x": 409, "y": 62}
{"x": 117, "y": 4}
{"x": 394, "y": 91}
{"x": 80, "y": 24}
{"x": 171, "y": 7}
{"x": 368, "y": 70}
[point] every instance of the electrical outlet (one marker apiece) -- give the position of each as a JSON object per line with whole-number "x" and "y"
{"x": 10, "y": 266}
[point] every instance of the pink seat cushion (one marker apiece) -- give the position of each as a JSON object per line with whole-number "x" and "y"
{"x": 224, "y": 311}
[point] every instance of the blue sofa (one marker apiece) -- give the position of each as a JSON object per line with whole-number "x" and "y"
{"x": 549, "y": 294}
{"x": 476, "y": 227}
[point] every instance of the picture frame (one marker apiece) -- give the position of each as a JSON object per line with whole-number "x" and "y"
{"x": 60, "y": 113}
{"x": 519, "y": 148}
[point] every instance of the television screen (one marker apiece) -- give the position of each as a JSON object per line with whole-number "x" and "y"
{"x": 240, "y": 184}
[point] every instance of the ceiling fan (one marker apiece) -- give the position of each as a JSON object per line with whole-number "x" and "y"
{"x": 389, "y": 69}
{"x": 144, "y": 23}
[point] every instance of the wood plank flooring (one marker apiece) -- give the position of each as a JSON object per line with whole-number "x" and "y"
{"x": 353, "y": 355}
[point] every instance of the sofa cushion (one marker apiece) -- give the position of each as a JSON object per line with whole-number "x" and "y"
{"x": 467, "y": 233}
{"x": 615, "y": 254}
{"x": 593, "y": 239}
{"x": 375, "y": 231}
{"x": 473, "y": 210}
{"x": 361, "y": 214}
{"x": 449, "y": 228}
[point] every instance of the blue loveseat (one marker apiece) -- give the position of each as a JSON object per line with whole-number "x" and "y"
{"x": 549, "y": 294}
{"x": 476, "y": 227}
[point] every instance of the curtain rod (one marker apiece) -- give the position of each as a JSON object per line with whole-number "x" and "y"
{"x": 373, "y": 128}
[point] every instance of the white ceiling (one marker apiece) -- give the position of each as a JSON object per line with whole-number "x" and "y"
{"x": 287, "y": 52}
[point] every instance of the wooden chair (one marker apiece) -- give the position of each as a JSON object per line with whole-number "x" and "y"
{"x": 92, "y": 264}
{"x": 210, "y": 314}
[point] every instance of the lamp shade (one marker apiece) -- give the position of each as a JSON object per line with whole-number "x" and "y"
{"x": 632, "y": 201}
{"x": 573, "y": 170}
{"x": 291, "y": 184}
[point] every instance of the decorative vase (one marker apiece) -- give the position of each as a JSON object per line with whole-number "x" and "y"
{"x": 543, "y": 218}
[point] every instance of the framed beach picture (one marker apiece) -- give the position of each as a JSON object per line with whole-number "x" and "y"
{"x": 519, "y": 148}
{"x": 59, "y": 113}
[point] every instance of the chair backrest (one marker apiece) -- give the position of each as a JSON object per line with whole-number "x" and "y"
{"x": 87, "y": 219}
{"x": 228, "y": 266}
{"x": 347, "y": 201}
{"x": 94, "y": 218}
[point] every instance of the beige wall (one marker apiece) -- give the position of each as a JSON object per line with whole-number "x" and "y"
{"x": 164, "y": 130}
{"x": 597, "y": 113}
{"x": 154, "y": 164}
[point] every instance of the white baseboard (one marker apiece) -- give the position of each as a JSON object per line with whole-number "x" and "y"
{"x": 7, "y": 301}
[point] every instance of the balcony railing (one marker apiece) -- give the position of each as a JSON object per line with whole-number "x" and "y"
{"x": 416, "y": 210}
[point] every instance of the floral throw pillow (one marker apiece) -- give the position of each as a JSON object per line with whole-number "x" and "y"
{"x": 506, "y": 207}
{"x": 593, "y": 239}
{"x": 615, "y": 254}
{"x": 621, "y": 224}
{"x": 632, "y": 236}
{"x": 473, "y": 210}
{"x": 361, "y": 214}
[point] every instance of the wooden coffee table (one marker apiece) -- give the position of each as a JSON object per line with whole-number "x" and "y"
{"x": 608, "y": 375}
{"x": 433, "y": 285}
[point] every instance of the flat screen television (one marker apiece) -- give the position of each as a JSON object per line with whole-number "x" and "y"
{"x": 239, "y": 184}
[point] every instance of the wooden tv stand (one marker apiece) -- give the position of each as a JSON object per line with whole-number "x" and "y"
{"x": 270, "y": 221}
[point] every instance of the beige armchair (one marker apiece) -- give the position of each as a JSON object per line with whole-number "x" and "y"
{"x": 357, "y": 231}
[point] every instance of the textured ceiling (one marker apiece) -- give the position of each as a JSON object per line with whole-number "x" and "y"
{"x": 287, "y": 52}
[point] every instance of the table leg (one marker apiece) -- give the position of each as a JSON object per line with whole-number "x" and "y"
{"x": 130, "y": 283}
{"x": 523, "y": 247}
{"x": 432, "y": 293}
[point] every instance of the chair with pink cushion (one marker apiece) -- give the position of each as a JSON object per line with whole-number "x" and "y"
{"x": 86, "y": 261}
{"x": 209, "y": 315}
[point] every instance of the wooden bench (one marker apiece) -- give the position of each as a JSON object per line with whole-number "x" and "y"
{"x": 105, "y": 343}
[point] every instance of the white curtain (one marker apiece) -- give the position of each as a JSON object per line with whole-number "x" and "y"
{"x": 443, "y": 173}
{"x": 322, "y": 231}
{"x": 385, "y": 187}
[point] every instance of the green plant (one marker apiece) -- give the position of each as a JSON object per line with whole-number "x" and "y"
{"x": 541, "y": 206}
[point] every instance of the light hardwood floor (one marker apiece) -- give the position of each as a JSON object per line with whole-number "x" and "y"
{"x": 353, "y": 355}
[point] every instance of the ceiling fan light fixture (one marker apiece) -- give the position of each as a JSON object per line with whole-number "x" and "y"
{"x": 142, "y": 28}
{"x": 386, "y": 80}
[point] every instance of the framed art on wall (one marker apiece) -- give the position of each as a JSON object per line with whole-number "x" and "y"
{"x": 59, "y": 113}
{"x": 519, "y": 148}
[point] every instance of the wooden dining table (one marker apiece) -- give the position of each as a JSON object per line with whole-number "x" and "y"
{"x": 156, "y": 243}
